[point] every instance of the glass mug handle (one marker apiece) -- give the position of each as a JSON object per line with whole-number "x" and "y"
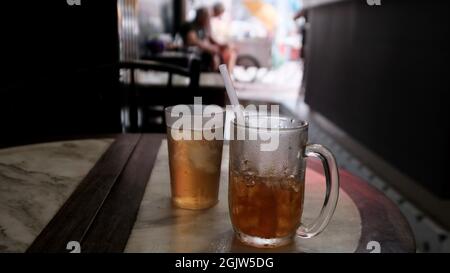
{"x": 332, "y": 190}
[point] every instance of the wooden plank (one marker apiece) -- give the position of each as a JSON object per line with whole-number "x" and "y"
{"x": 381, "y": 219}
{"x": 114, "y": 222}
{"x": 74, "y": 218}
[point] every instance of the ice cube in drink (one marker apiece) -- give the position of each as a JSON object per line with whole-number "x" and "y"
{"x": 194, "y": 171}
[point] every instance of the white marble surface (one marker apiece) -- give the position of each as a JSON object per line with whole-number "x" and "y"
{"x": 35, "y": 180}
{"x": 162, "y": 228}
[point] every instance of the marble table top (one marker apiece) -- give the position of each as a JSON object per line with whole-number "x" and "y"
{"x": 35, "y": 181}
{"x": 162, "y": 228}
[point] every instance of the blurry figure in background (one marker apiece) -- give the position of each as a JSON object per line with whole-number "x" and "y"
{"x": 302, "y": 13}
{"x": 198, "y": 34}
{"x": 219, "y": 28}
{"x": 219, "y": 35}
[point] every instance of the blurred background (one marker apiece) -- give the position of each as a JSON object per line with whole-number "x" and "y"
{"x": 371, "y": 79}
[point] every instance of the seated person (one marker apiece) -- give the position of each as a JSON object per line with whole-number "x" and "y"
{"x": 197, "y": 34}
{"x": 220, "y": 34}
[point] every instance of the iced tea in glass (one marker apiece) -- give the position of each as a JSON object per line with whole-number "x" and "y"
{"x": 195, "y": 163}
{"x": 266, "y": 188}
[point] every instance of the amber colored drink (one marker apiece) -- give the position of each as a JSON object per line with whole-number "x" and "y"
{"x": 194, "y": 171}
{"x": 265, "y": 207}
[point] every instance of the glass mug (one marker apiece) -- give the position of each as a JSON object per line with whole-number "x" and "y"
{"x": 266, "y": 188}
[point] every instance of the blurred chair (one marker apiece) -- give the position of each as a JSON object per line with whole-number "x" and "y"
{"x": 144, "y": 104}
{"x": 178, "y": 57}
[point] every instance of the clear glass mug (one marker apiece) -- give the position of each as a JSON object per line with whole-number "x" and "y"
{"x": 266, "y": 188}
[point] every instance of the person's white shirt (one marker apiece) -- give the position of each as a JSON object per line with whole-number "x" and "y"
{"x": 220, "y": 29}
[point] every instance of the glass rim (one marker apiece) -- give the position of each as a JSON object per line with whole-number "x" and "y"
{"x": 167, "y": 109}
{"x": 301, "y": 124}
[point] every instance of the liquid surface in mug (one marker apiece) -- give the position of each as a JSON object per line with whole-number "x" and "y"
{"x": 194, "y": 171}
{"x": 266, "y": 207}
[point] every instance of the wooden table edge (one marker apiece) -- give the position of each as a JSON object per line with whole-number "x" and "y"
{"x": 76, "y": 219}
{"x": 376, "y": 211}
{"x": 363, "y": 194}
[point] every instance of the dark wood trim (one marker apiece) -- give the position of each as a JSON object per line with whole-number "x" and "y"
{"x": 381, "y": 219}
{"x": 115, "y": 220}
{"x": 75, "y": 217}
